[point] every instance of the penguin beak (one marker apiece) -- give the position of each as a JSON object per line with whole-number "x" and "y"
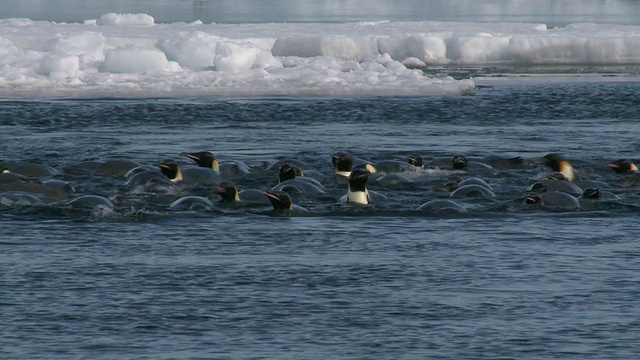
{"x": 273, "y": 196}
{"x": 613, "y": 166}
{"x": 221, "y": 190}
{"x": 191, "y": 156}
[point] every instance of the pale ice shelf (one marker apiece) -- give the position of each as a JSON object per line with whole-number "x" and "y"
{"x": 129, "y": 55}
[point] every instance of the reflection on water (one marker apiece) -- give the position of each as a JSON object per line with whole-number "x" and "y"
{"x": 553, "y": 13}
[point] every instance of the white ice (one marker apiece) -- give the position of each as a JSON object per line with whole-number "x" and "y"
{"x": 129, "y": 55}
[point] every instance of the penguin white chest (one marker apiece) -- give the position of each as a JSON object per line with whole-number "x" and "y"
{"x": 358, "y": 197}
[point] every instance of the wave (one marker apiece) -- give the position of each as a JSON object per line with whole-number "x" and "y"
{"x": 129, "y": 55}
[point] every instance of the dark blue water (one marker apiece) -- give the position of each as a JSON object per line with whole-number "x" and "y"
{"x": 503, "y": 280}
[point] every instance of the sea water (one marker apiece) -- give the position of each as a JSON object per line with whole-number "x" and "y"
{"x": 503, "y": 280}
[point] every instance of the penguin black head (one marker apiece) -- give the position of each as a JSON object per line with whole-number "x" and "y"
{"x": 416, "y": 160}
{"x": 288, "y": 172}
{"x": 552, "y": 161}
{"x": 204, "y": 159}
{"x": 171, "y": 169}
{"x": 592, "y": 193}
{"x": 280, "y": 200}
{"x": 342, "y": 161}
{"x": 558, "y": 164}
{"x": 533, "y": 199}
{"x": 358, "y": 179}
{"x": 227, "y": 192}
{"x": 459, "y": 162}
{"x": 538, "y": 188}
{"x": 622, "y": 166}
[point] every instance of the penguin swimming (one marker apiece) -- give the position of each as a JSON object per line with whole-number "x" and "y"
{"x": 289, "y": 172}
{"x": 392, "y": 166}
{"x": 558, "y": 164}
{"x": 555, "y": 185}
{"x": 357, "y": 192}
{"x": 282, "y": 203}
{"x": 456, "y": 182}
{"x": 142, "y": 168}
{"x": 554, "y": 200}
{"x": 29, "y": 169}
{"x": 622, "y": 166}
{"x": 96, "y": 205}
{"x": 416, "y": 161}
{"x": 503, "y": 163}
{"x": 229, "y": 193}
{"x": 205, "y": 159}
{"x": 461, "y": 162}
{"x": 194, "y": 175}
{"x": 472, "y": 191}
{"x": 294, "y": 185}
{"x": 115, "y": 167}
{"x": 150, "y": 181}
{"x": 597, "y": 194}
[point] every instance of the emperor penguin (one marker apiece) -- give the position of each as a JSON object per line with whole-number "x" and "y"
{"x": 622, "y": 166}
{"x": 554, "y": 200}
{"x": 289, "y": 181}
{"x": 230, "y": 194}
{"x": 416, "y": 161}
{"x": 557, "y": 163}
{"x": 282, "y": 204}
{"x": 194, "y": 175}
{"x": 229, "y": 169}
{"x": 357, "y": 192}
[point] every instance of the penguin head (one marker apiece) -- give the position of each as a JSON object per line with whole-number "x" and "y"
{"x": 533, "y": 199}
{"x": 416, "y": 160}
{"x": 288, "y": 172}
{"x": 228, "y": 192}
{"x": 358, "y": 179}
{"x": 280, "y": 200}
{"x": 558, "y": 164}
{"x": 459, "y": 162}
{"x": 537, "y": 188}
{"x": 592, "y": 193}
{"x": 204, "y": 159}
{"x": 171, "y": 169}
{"x": 622, "y": 166}
{"x": 342, "y": 161}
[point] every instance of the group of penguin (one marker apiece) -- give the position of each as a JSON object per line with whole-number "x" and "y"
{"x": 210, "y": 184}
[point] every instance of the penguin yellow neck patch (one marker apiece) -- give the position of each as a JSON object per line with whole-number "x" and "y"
{"x": 567, "y": 170}
{"x": 178, "y": 177}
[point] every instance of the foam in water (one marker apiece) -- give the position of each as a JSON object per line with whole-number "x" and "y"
{"x": 129, "y": 55}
